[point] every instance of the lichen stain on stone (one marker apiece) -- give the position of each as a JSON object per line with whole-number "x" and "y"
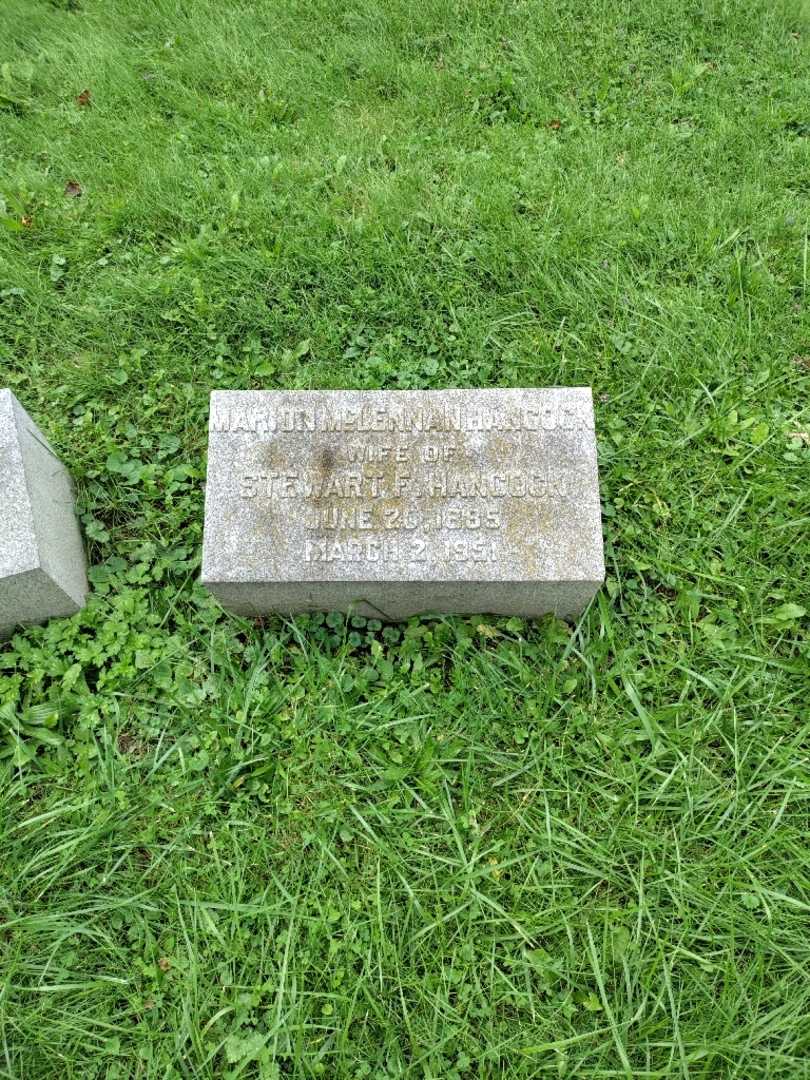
{"x": 326, "y": 460}
{"x": 265, "y": 537}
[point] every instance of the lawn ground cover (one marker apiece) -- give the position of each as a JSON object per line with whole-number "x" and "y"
{"x": 461, "y": 847}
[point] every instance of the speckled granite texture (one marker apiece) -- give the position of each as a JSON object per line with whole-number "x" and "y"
{"x": 42, "y": 564}
{"x": 391, "y": 503}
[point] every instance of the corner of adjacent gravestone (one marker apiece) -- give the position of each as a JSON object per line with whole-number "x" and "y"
{"x": 42, "y": 561}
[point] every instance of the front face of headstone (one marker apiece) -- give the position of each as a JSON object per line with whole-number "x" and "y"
{"x": 391, "y": 503}
{"x": 42, "y": 567}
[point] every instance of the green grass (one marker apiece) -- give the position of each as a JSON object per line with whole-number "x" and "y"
{"x": 462, "y": 847}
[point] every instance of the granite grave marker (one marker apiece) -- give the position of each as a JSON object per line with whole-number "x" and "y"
{"x": 391, "y": 503}
{"x": 42, "y": 565}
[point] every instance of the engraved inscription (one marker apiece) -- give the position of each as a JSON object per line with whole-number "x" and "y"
{"x": 409, "y": 485}
{"x": 433, "y": 484}
{"x": 394, "y": 549}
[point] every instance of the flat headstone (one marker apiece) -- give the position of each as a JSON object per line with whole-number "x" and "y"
{"x": 42, "y": 565}
{"x": 391, "y": 503}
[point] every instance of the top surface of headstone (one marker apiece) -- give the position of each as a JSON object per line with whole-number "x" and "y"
{"x": 405, "y": 486}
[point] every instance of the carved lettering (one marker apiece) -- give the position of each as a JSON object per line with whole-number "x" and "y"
{"x": 390, "y": 420}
